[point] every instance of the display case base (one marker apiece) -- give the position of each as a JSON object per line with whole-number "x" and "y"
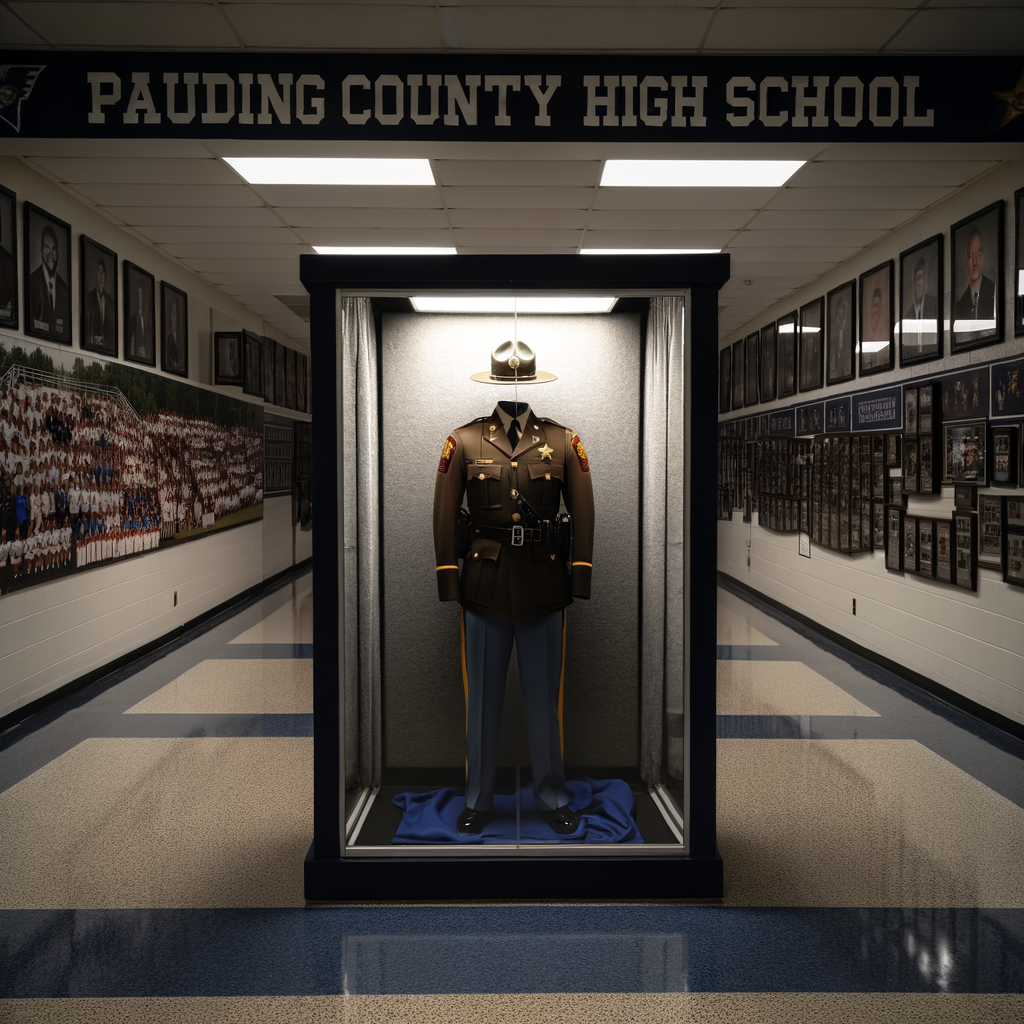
{"x": 538, "y": 878}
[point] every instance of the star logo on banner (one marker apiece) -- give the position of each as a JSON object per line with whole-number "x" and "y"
{"x": 1014, "y": 100}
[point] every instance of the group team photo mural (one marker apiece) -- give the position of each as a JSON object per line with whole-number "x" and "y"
{"x": 100, "y": 461}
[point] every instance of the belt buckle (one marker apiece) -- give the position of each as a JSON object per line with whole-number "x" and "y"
{"x": 517, "y": 536}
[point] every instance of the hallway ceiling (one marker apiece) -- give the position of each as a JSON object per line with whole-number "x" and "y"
{"x": 182, "y": 197}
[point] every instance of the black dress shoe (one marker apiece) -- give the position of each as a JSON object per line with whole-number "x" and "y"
{"x": 472, "y": 823}
{"x": 562, "y": 820}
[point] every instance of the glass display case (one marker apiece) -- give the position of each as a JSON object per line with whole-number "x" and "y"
{"x": 398, "y": 356}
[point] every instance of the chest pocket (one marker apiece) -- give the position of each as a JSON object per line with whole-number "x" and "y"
{"x": 545, "y": 483}
{"x": 483, "y": 486}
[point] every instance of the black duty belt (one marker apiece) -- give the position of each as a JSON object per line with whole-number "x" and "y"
{"x": 517, "y": 536}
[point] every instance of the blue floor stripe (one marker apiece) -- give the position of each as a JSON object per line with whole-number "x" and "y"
{"x": 424, "y": 950}
{"x": 230, "y": 652}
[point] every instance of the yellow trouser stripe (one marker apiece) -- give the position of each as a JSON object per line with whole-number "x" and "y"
{"x": 561, "y": 691}
{"x": 440, "y": 567}
{"x": 465, "y": 679}
{"x": 591, "y": 564}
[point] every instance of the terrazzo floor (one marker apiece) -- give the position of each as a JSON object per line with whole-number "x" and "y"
{"x": 154, "y": 829}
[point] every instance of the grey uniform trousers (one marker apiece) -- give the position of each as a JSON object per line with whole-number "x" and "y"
{"x": 538, "y": 643}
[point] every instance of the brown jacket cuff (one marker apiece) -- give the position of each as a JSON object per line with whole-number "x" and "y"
{"x": 448, "y": 583}
{"x": 581, "y": 579}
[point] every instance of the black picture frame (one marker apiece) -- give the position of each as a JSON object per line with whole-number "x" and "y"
{"x": 1017, "y": 281}
{"x": 910, "y": 544}
{"x": 252, "y": 364}
{"x": 982, "y": 229}
{"x": 943, "y": 550}
{"x": 911, "y": 465}
{"x": 921, "y": 297}
{"x": 878, "y": 525}
{"x": 964, "y": 448}
{"x": 725, "y": 379}
{"x": 767, "y": 356}
{"x": 841, "y": 310}
{"x": 893, "y": 450}
{"x": 1013, "y": 541}
{"x": 812, "y": 345}
{"x": 1008, "y": 388}
{"x": 926, "y": 547}
{"x": 965, "y": 496}
{"x": 227, "y": 359}
{"x": 965, "y": 394}
{"x": 786, "y": 330}
{"x": 47, "y": 238}
{"x": 1004, "y": 442}
{"x": 929, "y": 478}
{"x": 910, "y": 401}
{"x": 289, "y": 378}
{"x": 98, "y": 298}
{"x": 269, "y": 360}
{"x": 173, "y": 330}
{"x": 8, "y": 258}
{"x": 750, "y": 375}
{"x": 280, "y": 354}
{"x": 875, "y": 345}
{"x": 302, "y": 385}
{"x": 965, "y": 544}
{"x": 990, "y": 531}
{"x": 894, "y": 538}
{"x": 737, "y": 374}
{"x": 139, "y": 304}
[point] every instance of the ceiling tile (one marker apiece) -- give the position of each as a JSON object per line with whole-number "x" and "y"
{"x": 823, "y": 219}
{"x": 513, "y": 197}
{"x": 788, "y": 29}
{"x": 193, "y": 251}
{"x": 192, "y": 234}
{"x": 159, "y": 25}
{"x": 682, "y": 198}
{"x": 545, "y": 28}
{"x": 971, "y": 29}
{"x": 169, "y": 195}
{"x": 273, "y": 283}
{"x": 513, "y": 250}
{"x": 785, "y": 239}
{"x": 231, "y": 216}
{"x": 369, "y": 196}
{"x": 107, "y": 149}
{"x": 857, "y": 198}
{"x": 736, "y": 285}
{"x": 669, "y": 220}
{"x": 353, "y": 217}
{"x": 658, "y": 239}
{"x": 517, "y": 172}
{"x": 744, "y": 268}
{"x": 346, "y": 27}
{"x": 14, "y": 32}
{"x": 533, "y": 237}
{"x": 162, "y": 171}
{"x": 889, "y": 174}
{"x": 833, "y": 254}
{"x": 375, "y": 236}
{"x": 256, "y": 267}
{"x": 518, "y": 218}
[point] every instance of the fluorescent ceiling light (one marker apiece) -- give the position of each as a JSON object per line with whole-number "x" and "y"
{"x": 699, "y": 173}
{"x": 384, "y": 250}
{"x": 646, "y": 252}
{"x": 510, "y": 304}
{"x": 287, "y": 170}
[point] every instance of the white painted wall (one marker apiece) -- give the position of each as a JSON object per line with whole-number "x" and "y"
{"x": 53, "y": 633}
{"x": 972, "y": 643}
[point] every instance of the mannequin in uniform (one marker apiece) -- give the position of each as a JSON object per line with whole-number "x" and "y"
{"x": 514, "y": 586}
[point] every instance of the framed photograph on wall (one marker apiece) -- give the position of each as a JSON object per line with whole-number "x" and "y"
{"x": 139, "y": 315}
{"x": 1018, "y": 262}
{"x": 97, "y": 325}
{"x": 965, "y": 496}
{"x": 280, "y": 355}
{"x": 768, "y": 357}
{"x": 725, "y": 379}
{"x": 928, "y": 475}
{"x": 785, "y": 328}
{"x": 878, "y": 525}
{"x": 174, "y": 330}
{"x": 750, "y": 386}
{"x": 965, "y": 526}
{"x": 990, "y": 531}
{"x": 1013, "y": 541}
{"x": 893, "y": 449}
{"x": 894, "y": 539}
{"x": 976, "y": 258}
{"x": 841, "y": 310}
{"x": 737, "y": 374}
{"x": 1005, "y": 441}
{"x": 944, "y": 550}
{"x": 926, "y": 547}
{"x": 252, "y": 364}
{"x": 1008, "y": 388}
{"x": 302, "y": 386}
{"x": 876, "y": 320}
{"x": 910, "y": 544}
{"x": 269, "y": 363}
{"x": 47, "y": 275}
{"x": 921, "y": 319}
{"x": 911, "y": 479}
{"x": 964, "y": 445}
{"x": 8, "y": 258}
{"x": 289, "y": 378}
{"x": 227, "y": 358}
{"x": 812, "y": 340}
{"x": 910, "y": 412}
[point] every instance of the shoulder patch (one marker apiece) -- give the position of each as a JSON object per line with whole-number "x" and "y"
{"x": 581, "y": 453}
{"x": 447, "y": 454}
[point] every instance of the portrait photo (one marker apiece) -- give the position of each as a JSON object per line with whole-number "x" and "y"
{"x": 227, "y": 358}
{"x": 737, "y": 374}
{"x": 812, "y": 338}
{"x": 98, "y": 324}
{"x": 252, "y": 363}
{"x": 1018, "y": 262}
{"x": 750, "y": 396}
{"x": 768, "y": 356}
{"x": 1008, "y": 388}
{"x": 841, "y": 307}
{"x": 785, "y": 328}
{"x": 139, "y": 315}
{"x": 976, "y": 258}
{"x": 47, "y": 276}
{"x": 8, "y": 258}
{"x": 920, "y": 302}
{"x": 268, "y": 369}
{"x": 174, "y": 330}
{"x": 876, "y": 320}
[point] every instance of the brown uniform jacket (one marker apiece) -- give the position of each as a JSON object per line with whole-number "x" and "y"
{"x": 497, "y": 579}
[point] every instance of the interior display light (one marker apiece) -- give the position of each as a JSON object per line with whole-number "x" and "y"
{"x": 647, "y": 252}
{"x": 512, "y": 304}
{"x": 384, "y": 250}
{"x": 301, "y": 170}
{"x": 699, "y": 173}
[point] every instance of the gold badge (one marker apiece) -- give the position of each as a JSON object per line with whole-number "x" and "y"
{"x": 545, "y": 453}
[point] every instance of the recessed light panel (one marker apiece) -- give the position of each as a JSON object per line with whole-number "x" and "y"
{"x": 383, "y": 250}
{"x": 699, "y": 173}
{"x": 510, "y": 304}
{"x": 285, "y": 170}
{"x": 646, "y": 252}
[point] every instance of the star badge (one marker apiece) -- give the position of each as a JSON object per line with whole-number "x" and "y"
{"x": 1014, "y": 100}
{"x": 545, "y": 453}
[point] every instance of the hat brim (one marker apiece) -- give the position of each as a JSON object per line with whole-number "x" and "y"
{"x": 542, "y": 377}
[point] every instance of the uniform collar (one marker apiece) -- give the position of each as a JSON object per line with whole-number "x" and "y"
{"x": 522, "y": 419}
{"x": 531, "y": 435}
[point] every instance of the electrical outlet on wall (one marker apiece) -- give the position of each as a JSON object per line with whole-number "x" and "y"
{"x": 855, "y": 606}
{"x": 175, "y": 599}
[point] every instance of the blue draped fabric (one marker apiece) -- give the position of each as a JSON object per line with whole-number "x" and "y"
{"x": 607, "y": 807}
